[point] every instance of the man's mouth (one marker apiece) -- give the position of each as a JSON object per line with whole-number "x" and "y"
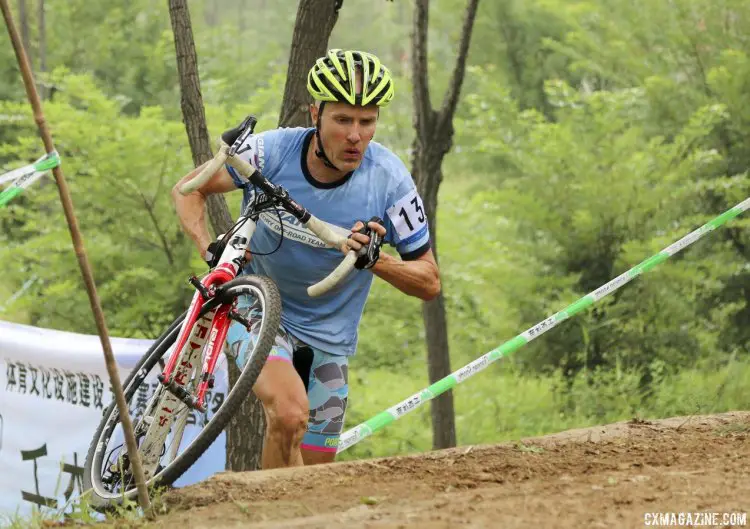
{"x": 351, "y": 153}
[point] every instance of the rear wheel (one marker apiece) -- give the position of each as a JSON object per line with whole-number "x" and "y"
{"x": 107, "y": 471}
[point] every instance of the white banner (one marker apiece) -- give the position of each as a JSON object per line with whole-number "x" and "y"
{"x": 53, "y": 390}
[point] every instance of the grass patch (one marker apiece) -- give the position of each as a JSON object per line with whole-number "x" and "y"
{"x": 735, "y": 428}
{"x": 79, "y": 512}
{"x": 521, "y": 447}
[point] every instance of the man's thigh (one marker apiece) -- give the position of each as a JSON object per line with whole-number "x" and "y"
{"x": 278, "y": 382}
{"x": 279, "y": 385}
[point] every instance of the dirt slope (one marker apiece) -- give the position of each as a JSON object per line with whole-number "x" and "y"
{"x": 607, "y": 476}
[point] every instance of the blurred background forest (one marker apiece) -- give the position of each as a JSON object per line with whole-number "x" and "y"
{"x": 589, "y": 135}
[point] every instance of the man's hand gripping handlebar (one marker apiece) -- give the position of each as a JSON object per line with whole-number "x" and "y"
{"x": 227, "y": 154}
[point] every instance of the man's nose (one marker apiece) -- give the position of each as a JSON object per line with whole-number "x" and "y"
{"x": 354, "y": 136}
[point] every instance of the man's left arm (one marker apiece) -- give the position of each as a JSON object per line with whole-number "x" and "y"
{"x": 419, "y": 277}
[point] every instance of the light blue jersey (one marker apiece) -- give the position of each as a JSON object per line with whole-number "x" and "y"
{"x": 381, "y": 186}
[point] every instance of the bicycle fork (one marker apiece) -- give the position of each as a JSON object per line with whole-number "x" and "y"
{"x": 166, "y": 403}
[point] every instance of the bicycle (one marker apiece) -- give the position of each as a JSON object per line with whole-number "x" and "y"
{"x": 186, "y": 354}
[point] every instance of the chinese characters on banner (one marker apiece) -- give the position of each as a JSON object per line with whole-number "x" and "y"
{"x": 54, "y": 390}
{"x": 79, "y": 389}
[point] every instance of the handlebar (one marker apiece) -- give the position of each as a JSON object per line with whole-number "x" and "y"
{"x": 201, "y": 178}
{"x": 318, "y": 227}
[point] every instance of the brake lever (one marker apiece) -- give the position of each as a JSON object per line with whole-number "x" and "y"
{"x": 237, "y": 136}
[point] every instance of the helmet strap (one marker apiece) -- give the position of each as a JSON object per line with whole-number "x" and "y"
{"x": 319, "y": 152}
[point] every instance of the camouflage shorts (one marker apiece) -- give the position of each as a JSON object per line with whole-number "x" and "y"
{"x": 325, "y": 376}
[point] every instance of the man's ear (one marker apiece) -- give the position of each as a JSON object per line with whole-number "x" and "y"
{"x": 314, "y": 112}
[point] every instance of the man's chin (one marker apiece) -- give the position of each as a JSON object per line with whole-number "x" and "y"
{"x": 349, "y": 165}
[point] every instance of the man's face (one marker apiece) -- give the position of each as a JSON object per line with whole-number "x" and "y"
{"x": 346, "y": 131}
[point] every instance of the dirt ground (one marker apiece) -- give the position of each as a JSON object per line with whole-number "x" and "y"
{"x": 607, "y": 476}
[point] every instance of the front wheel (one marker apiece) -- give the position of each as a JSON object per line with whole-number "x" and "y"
{"x": 107, "y": 471}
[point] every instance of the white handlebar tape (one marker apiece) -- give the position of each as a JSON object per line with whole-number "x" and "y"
{"x": 207, "y": 172}
{"x": 341, "y": 271}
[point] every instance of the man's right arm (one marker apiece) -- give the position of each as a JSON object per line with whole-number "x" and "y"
{"x": 191, "y": 208}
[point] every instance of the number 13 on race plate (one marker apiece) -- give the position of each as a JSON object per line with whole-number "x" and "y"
{"x": 407, "y": 216}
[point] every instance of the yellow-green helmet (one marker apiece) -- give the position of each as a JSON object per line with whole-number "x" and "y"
{"x": 332, "y": 78}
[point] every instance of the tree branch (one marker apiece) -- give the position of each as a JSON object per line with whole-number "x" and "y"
{"x": 454, "y": 88}
{"x": 422, "y": 106}
{"x": 163, "y": 173}
{"x": 159, "y": 232}
{"x": 142, "y": 243}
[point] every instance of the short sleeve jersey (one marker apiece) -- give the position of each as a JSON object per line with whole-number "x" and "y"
{"x": 381, "y": 186}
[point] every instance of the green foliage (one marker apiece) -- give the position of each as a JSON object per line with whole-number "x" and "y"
{"x": 591, "y": 194}
{"x": 37, "y": 520}
{"x": 513, "y": 35}
{"x": 120, "y": 188}
{"x": 126, "y": 45}
{"x": 639, "y": 149}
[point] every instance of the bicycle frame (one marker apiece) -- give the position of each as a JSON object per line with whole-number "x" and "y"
{"x": 196, "y": 334}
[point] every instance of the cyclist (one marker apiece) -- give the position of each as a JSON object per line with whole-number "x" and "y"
{"x": 343, "y": 178}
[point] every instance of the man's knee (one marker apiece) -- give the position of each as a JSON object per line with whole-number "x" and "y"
{"x": 287, "y": 418}
{"x": 284, "y": 400}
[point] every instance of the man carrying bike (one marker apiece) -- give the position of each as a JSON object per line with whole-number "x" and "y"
{"x": 343, "y": 178}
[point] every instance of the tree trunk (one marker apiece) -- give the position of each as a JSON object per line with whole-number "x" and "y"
{"x": 428, "y": 176}
{"x": 42, "y": 51}
{"x": 191, "y": 103}
{"x": 433, "y": 140}
{"x": 312, "y": 29}
{"x": 23, "y": 19}
{"x": 244, "y": 442}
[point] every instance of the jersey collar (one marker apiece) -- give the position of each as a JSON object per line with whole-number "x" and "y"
{"x": 306, "y": 170}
